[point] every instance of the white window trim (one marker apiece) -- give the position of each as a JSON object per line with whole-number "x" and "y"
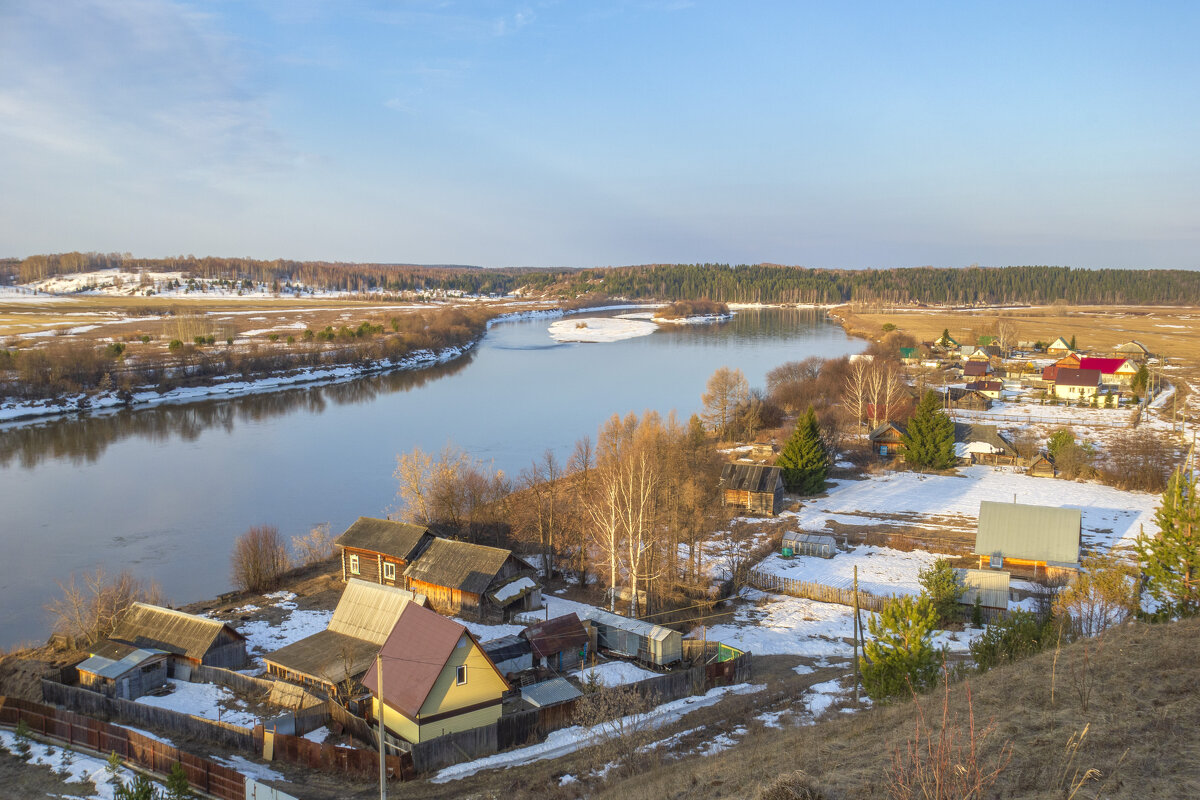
{"x": 389, "y": 571}
{"x": 354, "y": 564}
{"x": 460, "y": 675}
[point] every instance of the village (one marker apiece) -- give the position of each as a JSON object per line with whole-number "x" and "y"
{"x": 475, "y": 657}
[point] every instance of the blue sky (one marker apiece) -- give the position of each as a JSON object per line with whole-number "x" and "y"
{"x": 587, "y": 134}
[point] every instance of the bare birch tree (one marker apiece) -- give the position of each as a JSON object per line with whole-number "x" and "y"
{"x": 856, "y": 388}
{"x": 725, "y": 391}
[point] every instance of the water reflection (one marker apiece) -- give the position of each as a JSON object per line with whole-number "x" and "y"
{"x": 83, "y": 439}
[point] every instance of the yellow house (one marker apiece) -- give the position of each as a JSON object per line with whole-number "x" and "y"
{"x": 436, "y": 678}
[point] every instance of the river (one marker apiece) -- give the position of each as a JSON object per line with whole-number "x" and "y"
{"x": 165, "y": 490}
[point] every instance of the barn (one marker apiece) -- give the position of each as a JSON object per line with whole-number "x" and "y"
{"x": 128, "y": 677}
{"x": 190, "y": 640}
{"x": 473, "y": 579}
{"x": 754, "y": 487}
{"x": 636, "y": 638}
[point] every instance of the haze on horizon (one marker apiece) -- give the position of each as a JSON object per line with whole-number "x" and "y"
{"x": 871, "y": 134}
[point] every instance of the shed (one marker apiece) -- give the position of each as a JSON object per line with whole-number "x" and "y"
{"x": 378, "y": 550}
{"x": 558, "y": 643}
{"x": 636, "y": 638}
{"x": 1028, "y": 535}
{"x": 983, "y": 444}
{"x": 128, "y": 677}
{"x": 803, "y": 543}
{"x": 967, "y": 399}
{"x": 1041, "y": 467}
{"x": 1134, "y": 350}
{"x": 752, "y": 486}
{"x": 989, "y": 585}
{"x": 190, "y": 639}
{"x": 509, "y": 653}
{"x": 461, "y": 577}
{"x": 887, "y": 439}
{"x": 976, "y": 369}
{"x": 550, "y": 693}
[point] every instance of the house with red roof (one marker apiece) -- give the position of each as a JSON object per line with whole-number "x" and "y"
{"x": 1112, "y": 370}
{"x": 436, "y": 678}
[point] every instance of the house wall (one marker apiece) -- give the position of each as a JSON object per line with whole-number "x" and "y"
{"x": 1074, "y": 392}
{"x": 443, "y": 599}
{"x": 370, "y": 567}
{"x": 227, "y": 651}
{"x": 130, "y": 686}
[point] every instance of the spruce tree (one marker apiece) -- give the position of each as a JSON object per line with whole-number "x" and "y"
{"x": 1170, "y": 561}
{"x": 929, "y": 440}
{"x": 901, "y": 658}
{"x": 804, "y": 459}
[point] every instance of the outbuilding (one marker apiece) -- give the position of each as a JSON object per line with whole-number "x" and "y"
{"x": 129, "y": 677}
{"x": 473, "y": 579}
{"x": 990, "y": 586}
{"x": 802, "y": 543}
{"x": 887, "y": 439}
{"x": 754, "y": 487}
{"x": 559, "y": 643}
{"x": 189, "y": 639}
{"x": 636, "y": 638}
{"x": 1028, "y": 535}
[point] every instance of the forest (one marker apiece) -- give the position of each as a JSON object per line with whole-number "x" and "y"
{"x": 721, "y": 283}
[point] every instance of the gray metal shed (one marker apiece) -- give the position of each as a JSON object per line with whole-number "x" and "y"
{"x": 128, "y": 677}
{"x": 636, "y": 638}
{"x": 989, "y": 585}
{"x": 811, "y": 544}
{"x": 550, "y": 693}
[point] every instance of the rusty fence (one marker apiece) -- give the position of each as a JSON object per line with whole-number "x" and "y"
{"x": 102, "y": 737}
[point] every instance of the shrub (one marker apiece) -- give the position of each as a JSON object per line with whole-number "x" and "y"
{"x": 89, "y": 608}
{"x": 798, "y": 785}
{"x": 145, "y": 339}
{"x": 24, "y": 750}
{"x": 941, "y": 585}
{"x": 259, "y": 559}
{"x": 175, "y": 345}
{"x": 115, "y": 349}
{"x": 1010, "y": 639}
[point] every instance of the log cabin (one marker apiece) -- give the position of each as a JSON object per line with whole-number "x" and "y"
{"x": 378, "y": 550}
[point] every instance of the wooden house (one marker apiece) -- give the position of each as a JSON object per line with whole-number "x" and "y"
{"x": 128, "y": 677}
{"x": 1059, "y": 346}
{"x": 334, "y": 659}
{"x": 190, "y": 640}
{"x": 976, "y": 369}
{"x": 436, "y": 679}
{"x": 635, "y": 638}
{"x": 945, "y": 343}
{"x": 967, "y": 399}
{"x": 473, "y": 579}
{"x": 1135, "y": 351}
{"x": 1040, "y": 466}
{"x": 992, "y": 389}
{"x": 983, "y": 444}
{"x": 754, "y": 487}
{"x": 378, "y": 550}
{"x": 887, "y": 439}
{"x": 1116, "y": 371}
{"x": 1027, "y": 535}
{"x": 559, "y": 643}
{"x": 1076, "y": 384}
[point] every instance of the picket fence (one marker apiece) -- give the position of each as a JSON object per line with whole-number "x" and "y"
{"x": 821, "y": 592}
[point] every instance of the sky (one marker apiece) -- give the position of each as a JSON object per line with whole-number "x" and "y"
{"x": 577, "y": 134}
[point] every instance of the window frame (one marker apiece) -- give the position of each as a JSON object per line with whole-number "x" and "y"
{"x": 354, "y": 565}
{"x": 389, "y": 567}
{"x": 460, "y": 675}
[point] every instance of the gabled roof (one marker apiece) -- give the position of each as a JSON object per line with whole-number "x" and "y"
{"x": 975, "y": 368}
{"x": 155, "y": 627}
{"x": 414, "y": 655}
{"x": 459, "y": 565}
{"x": 985, "y": 386}
{"x": 985, "y": 434}
{"x": 1106, "y": 366}
{"x": 1059, "y": 344}
{"x": 397, "y": 539}
{"x": 957, "y": 393}
{"x": 1077, "y": 377}
{"x": 749, "y": 477}
{"x": 1033, "y": 533}
{"x": 326, "y": 655}
{"x": 556, "y": 636}
{"x": 1135, "y": 347}
{"x": 115, "y": 668}
{"x": 883, "y": 428}
{"x": 369, "y": 610}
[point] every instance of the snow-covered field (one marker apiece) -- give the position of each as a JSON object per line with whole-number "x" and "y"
{"x": 1111, "y": 517}
{"x": 614, "y": 673}
{"x": 207, "y": 700}
{"x": 881, "y": 570}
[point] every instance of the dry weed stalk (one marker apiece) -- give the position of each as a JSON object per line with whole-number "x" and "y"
{"x": 939, "y": 765}
{"x": 1072, "y": 786}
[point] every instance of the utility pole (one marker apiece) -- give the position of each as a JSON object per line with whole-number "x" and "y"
{"x": 382, "y": 747}
{"x": 856, "y": 632}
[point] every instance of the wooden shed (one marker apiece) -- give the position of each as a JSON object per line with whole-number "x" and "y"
{"x": 803, "y": 543}
{"x": 129, "y": 677}
{"x": 559, "y": 643}
{"x": 983, "y": 444}
{"x": 967, "y": 399}
{"x": 378, "y": 550}
{"x": 189, "y": 639}
{"x": 1041, "y": 467}
{"x": 887, "y": 439}
{"x": 754, "y": 487}
{"x": 635, "y": 638}
{"x": 989, "y": 585}
{"x": 465, "y": 578}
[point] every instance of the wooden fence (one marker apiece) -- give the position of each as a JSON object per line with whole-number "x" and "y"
{"x": 245, "y": 684}
{"x": 355, "y": 726}
{"x": 453, "y": 748}
{"x": 97, "y": 705}
{"x": 331, "y": 758}
{"x": 815, "y": 591}
{"x": 101, "y": 737}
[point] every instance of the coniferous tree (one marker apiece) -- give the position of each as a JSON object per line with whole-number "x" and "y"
{"x": 901, "y": 658}
{"x": 1170, "y": 561}
{"x": 929, "y": 440}
{"x": 805, "y": 459}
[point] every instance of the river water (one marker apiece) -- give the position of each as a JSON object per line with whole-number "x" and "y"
{"x": 165, "y": 490}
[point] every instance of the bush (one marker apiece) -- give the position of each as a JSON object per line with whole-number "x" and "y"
{"x": 1011, "y": 639}
{"x": 175, "y": 345}
{"x": 89, "y": 609}
{"x": 798, "y": 785}
{"x": 259, "y": 559}
{"x": 24, "y": 750}
{"x": 941, "y": 585}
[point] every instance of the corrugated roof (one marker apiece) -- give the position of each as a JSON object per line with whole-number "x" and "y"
{"x": 458, "y": 565}
{"x": 550, "y": 693}
{"x": 819, "y": 539}
{"x": 327, "y": 656}
{"x": 108, "y": 668}
{"x": 1077, "y": 377}
{"x": 398, "y": 539}
{"x": 1033, "y": 533}
{"x": 369, "y": 610}
{"x": 749, "y": 477}
{"x": 990, "y": 585}
{"x": 642, "y": 628}
{"x": 506, "y": 648}
{"x": 1133, "y": 347}
{"x": 975, "y": 368}
{"x": 985, "y": 386}
{"x": 988, "y": 434}
{"x": 1106, "y": 366}
{"x": 155, "y": 627}
{"x": 414, "y": 655}
{"x": 557, "y": 635}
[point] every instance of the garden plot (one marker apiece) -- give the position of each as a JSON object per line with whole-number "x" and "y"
{"x": 207, "y": 700}
{"x": 1112, "y": 518}
{"x": 881, "y": 570}
{"x": 264, "y": 636}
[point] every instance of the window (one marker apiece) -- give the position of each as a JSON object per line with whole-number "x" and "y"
{"x": 389, "y": 571}
{"x": 460, "y": 675}
{"x": 353, "y": 564}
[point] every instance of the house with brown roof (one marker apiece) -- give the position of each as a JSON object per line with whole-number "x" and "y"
{"x": 983, "y": 444}
{"x": 976, "y": 369}
{"x": 559, "y": 643}
{"x": 990, "y": 389}
{"x": 190, "y": 640}
{"x": 1077, "y": 384}
{"x": 754, "y": 487}
{"x": 473, "y": 579}
{"x": 378, "y": 550}
{"x": 967, "y": 399}
{"x": 436, "y": 679}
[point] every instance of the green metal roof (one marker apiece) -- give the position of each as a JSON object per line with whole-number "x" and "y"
{"x": 1033, "y": 533}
